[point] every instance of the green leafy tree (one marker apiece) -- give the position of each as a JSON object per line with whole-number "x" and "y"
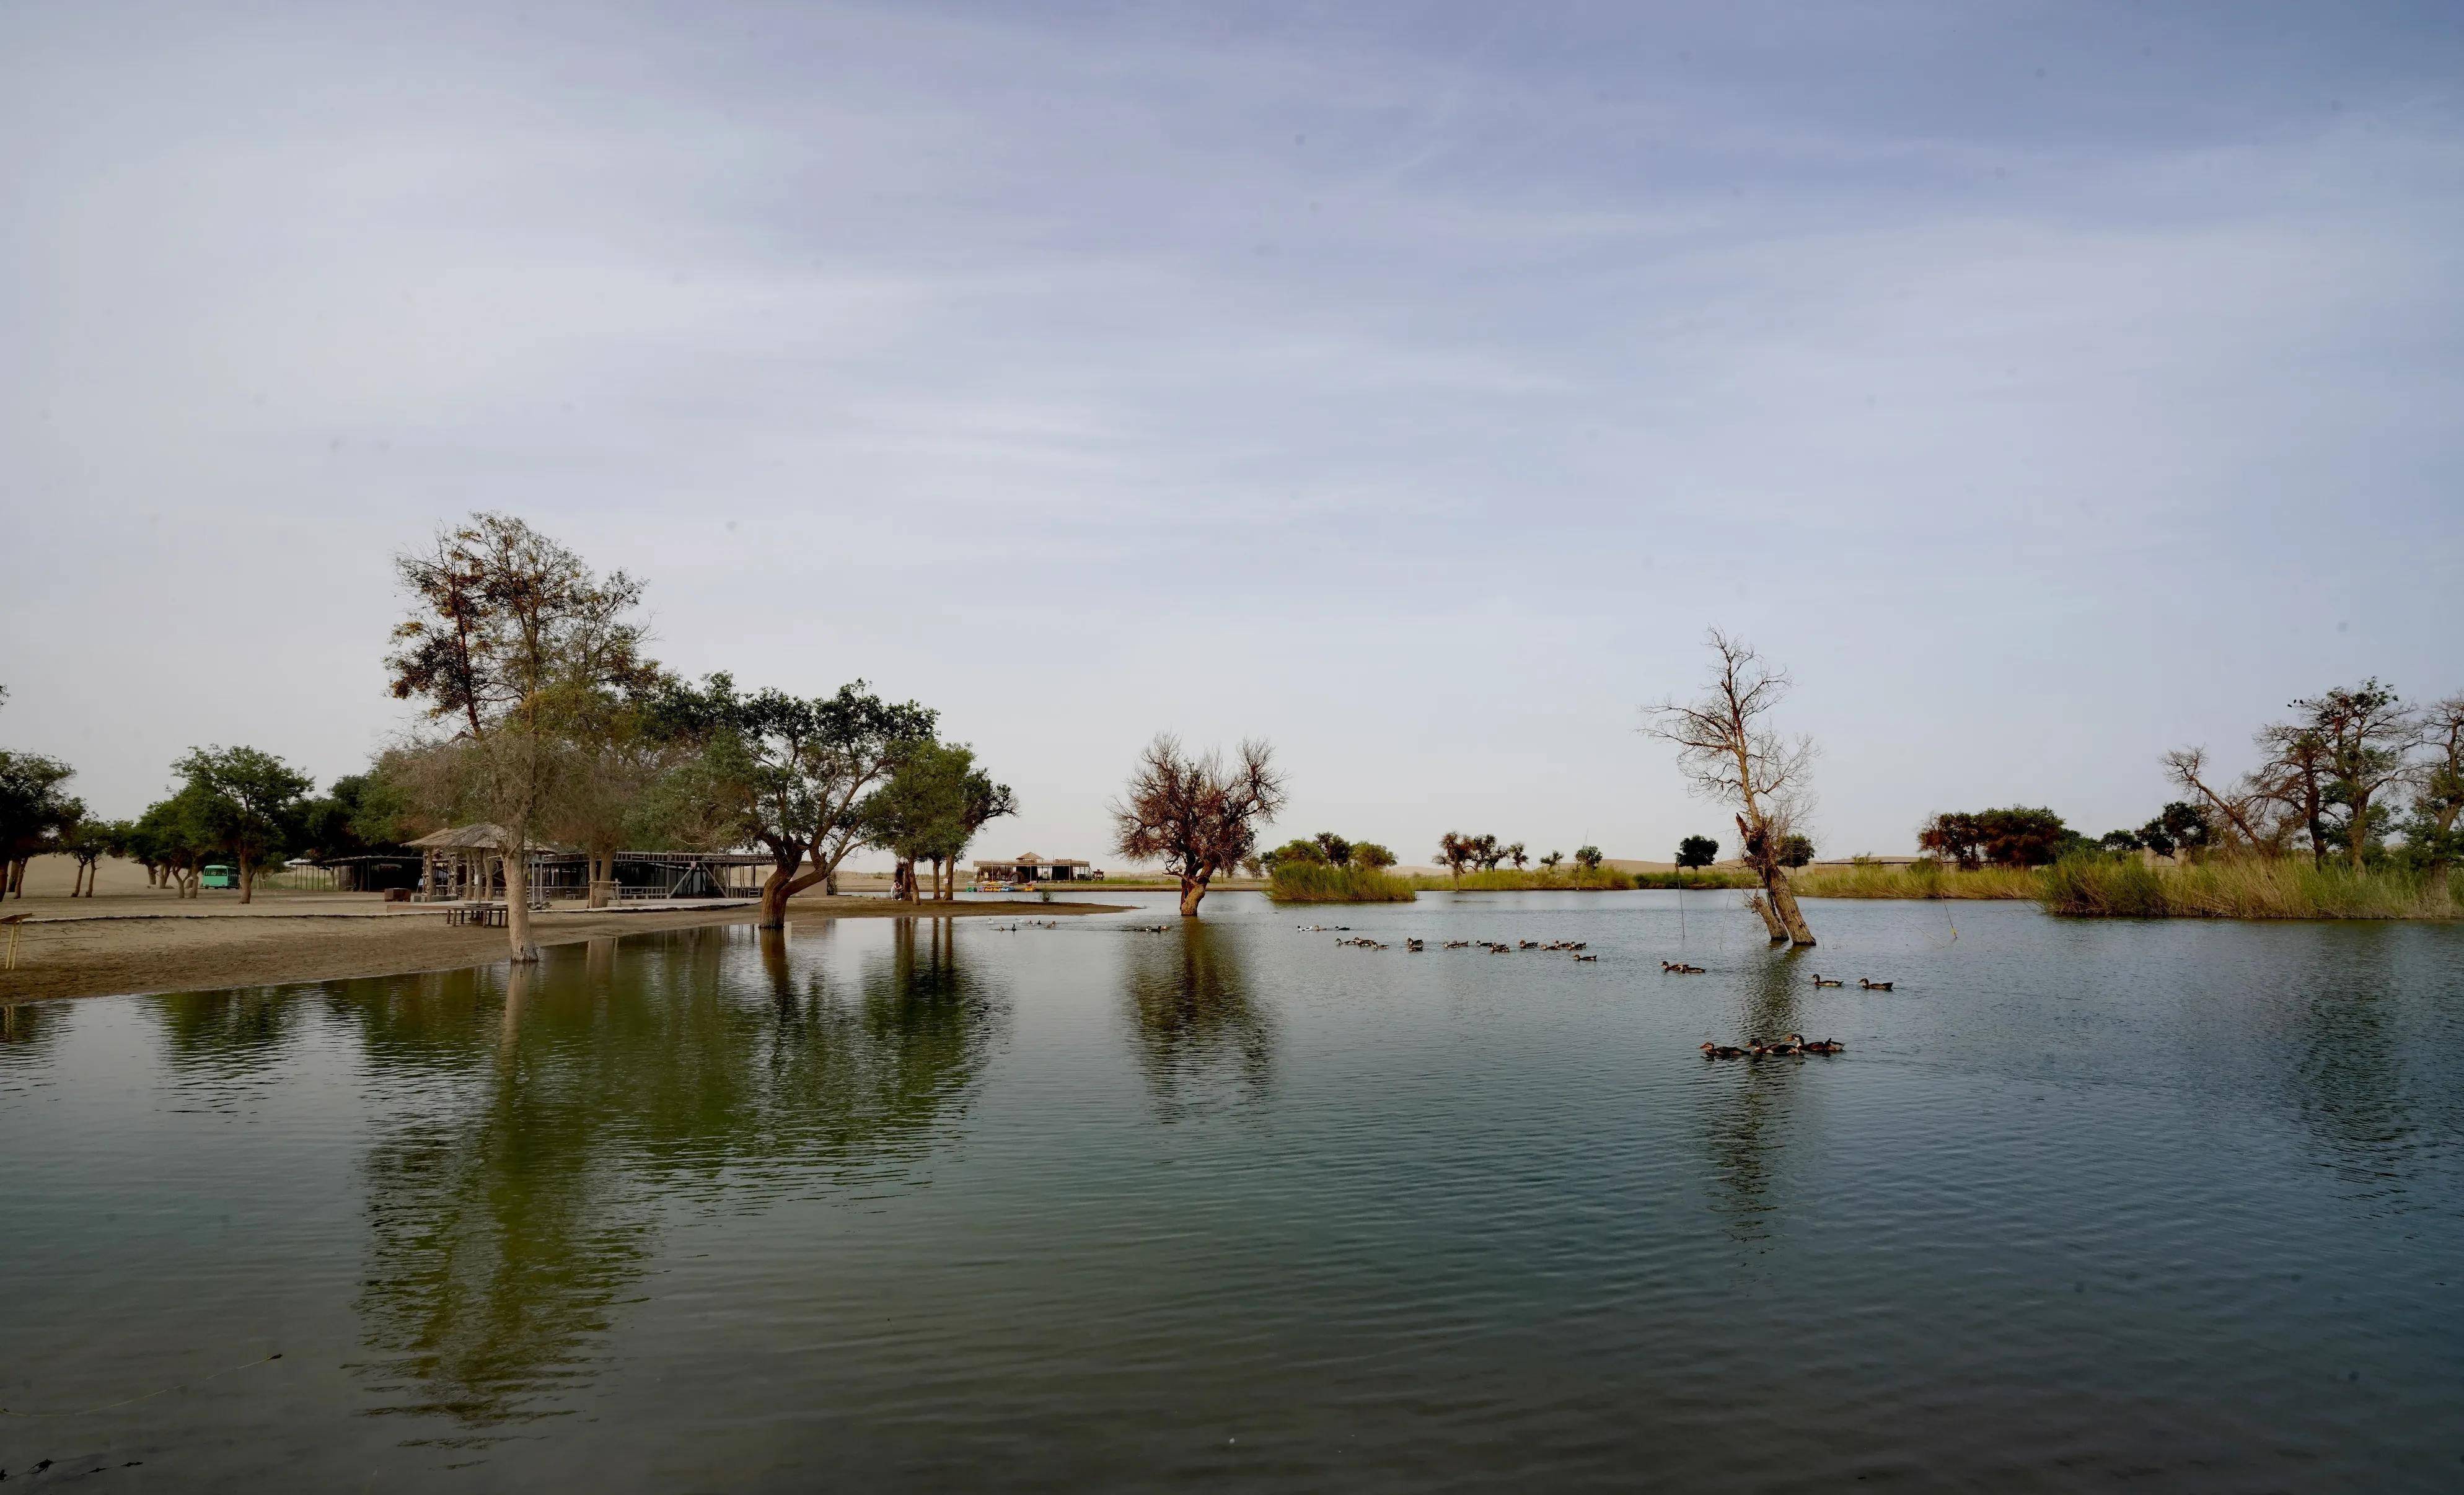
{"x": 1457, "y": 851}
{"x": 515, "y": 642}
{"x": 1293, "y": 851}
{"x": 2433, "y": 837}
{"x": 253, "y": 805}
{"x": 2368, "y": 735}
{"x": 1486, "y": 851}
{"x": 1795, "y": 850}
{"x": 36, "y": 811}
{"x": 1552, "y": 860}
{"x": 1370, "y": 854}
{"x": 931, "y": 808}
{"x": 1697, "y": 851}
{"x": 1517, "y": 855}
{"x": 794, "y": 775}
{"x": 1336, "y": 849}
{"x": 1587, "y": 858}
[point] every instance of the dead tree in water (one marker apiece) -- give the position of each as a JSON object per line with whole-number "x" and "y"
{"x": 1729, "y": 753}
{"x": 1194, "y": 815}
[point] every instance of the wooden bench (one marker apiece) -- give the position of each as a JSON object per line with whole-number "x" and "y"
{"x": 491, "y": 914}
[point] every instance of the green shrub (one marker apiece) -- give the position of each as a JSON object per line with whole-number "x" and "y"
{"x": 1315, "y": 882}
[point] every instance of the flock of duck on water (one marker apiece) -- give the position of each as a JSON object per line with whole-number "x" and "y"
{"x": 1495, "y": 947}
{"x": 1756, "y": 1048}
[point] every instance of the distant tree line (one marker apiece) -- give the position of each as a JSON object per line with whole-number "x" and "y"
{"x": 544, "y": 717}
{"x": 2355, "y": 775}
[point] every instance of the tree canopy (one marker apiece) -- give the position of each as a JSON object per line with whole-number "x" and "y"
{"x": 1198, "y": 816}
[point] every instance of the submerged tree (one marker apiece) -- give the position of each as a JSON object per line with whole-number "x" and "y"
{"x": 1198, "y": 816}
{"x": 1730, "y": 754}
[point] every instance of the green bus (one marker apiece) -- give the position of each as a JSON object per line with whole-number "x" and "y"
{"x": 218, "y": 876}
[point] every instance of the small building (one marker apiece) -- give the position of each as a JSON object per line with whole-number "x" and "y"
{"x": 1032, "y": 869}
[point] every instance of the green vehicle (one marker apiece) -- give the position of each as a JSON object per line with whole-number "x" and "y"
{"x": 218, "y": 876}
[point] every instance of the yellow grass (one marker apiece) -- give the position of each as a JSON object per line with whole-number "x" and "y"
{"x": 2248, "y": 889}
{"x": 1918, "y": 880}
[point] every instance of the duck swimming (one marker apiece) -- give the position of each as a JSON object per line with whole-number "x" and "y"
{"x": 1820, "y": 979}
{"x": 1828, "y": 1046}
{"x": 1721, "y": 1051}
{"x": 1873, "y": 987}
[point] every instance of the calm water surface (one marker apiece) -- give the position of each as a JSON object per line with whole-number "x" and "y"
{"x": 913, "y": 1205}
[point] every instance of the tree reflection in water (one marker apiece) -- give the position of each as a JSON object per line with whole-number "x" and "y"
{"x": 1749, "y": 1104}
{"x": 511, "y": 1208}
{"x": 1202, "y": 1042}
{"x": 2353, "y": 1069}
{"x": 28, "y": 1029}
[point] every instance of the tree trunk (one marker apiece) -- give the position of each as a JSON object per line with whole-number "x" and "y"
{"x": 518, "y": 907}
{"x": 1784, "y": 898}
{"x": 1770, "y": 921}
{"x": 247, "y": 878}
{"x": 1192, "y": 890}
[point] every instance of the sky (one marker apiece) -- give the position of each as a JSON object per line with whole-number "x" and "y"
{"x": 2045, "y": 386}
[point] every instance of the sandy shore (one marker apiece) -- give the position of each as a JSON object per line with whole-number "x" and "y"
{"x": 134, "y": 940}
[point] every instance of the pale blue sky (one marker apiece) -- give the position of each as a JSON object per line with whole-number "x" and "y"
{"x": 2047, "y": 384}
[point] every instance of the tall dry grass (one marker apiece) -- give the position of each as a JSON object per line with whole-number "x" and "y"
{"x": 2097, "y": 886}
{"x": 1541, "y": 879}
{"x": 1918, "y": 880}
{"x": 1315, "y": 882}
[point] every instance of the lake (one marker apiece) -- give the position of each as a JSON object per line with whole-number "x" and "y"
{"x": 940, "y": 1204}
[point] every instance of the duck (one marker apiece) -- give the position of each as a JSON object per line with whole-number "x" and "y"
{"x": 1528, "y": 944}
{"x": 1414, "y": 944}
{"x": 1820, "y": 979}
{"x": 1873, "y": 987}
{"x": 1587, "y": 958}
{"x": 1721, "y": 1051}
{"x": 1794, "y": 1044}
{"x": 1827, "y": 1045}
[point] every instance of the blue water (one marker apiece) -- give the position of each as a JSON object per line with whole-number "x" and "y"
{"x": 888, "y": 1203}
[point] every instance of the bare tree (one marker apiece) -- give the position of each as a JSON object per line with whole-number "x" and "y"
{"x": 2297, "y": 774}
{"x": 1195, "y": 815}
{"x": 1731, "y": 755}
{"x": 2241, "y": 813}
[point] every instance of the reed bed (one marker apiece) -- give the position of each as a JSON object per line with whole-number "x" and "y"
{"x": 2096, "y": 887}
{"x": 1919, "y": 880}
{"x": 1315, "y": 882}
{"x": 1541, "y": 879}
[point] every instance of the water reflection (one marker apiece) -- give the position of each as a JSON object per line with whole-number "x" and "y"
{"x": 1202, "y": 1041}
{"x": 2351, "y": 1072}
{"x": 229, "y": 1033}
{"x": 28, "y": 1029}
{"x": 514, "y": 1198}
{"x": 1749, "y": 1106}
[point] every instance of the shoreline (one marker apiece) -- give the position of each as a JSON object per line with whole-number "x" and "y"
{"x": 67, "y": 956}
